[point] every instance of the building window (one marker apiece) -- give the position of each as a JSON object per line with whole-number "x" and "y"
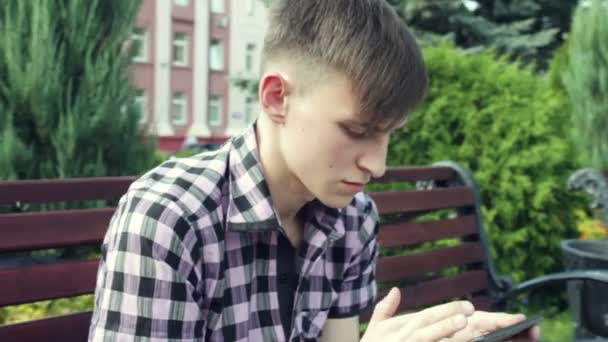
{"x": 216, "y": 55}
{"x": 140, "y": 104}
{"x": 215, "y": 111}
{"x": 180, "y": 48}
{"x": 181, "y": 2}
{"x": 139, "y": 45}
{"x": 217, "y": 6}
{"x": 251, "y": 7}
{"x": 249, "y": 109}
{"x": 179, "y": 106}
{"x": 249, "y": 56}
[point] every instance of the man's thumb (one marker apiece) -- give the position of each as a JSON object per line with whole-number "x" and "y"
{"x": 386, "y": 307}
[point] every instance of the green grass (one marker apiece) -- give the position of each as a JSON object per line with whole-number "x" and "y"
{"x": 557, "y": 328}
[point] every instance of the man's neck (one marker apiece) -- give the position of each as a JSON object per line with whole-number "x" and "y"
{"x": 288, "y": 194}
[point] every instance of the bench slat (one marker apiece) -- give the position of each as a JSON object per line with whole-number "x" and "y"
{"x": 437, "y": 291}
{"x": 442, "y": 289}
{"x": 414, "y": 233}
{"x": 484, "y": 303}
{"x": 416, "y": 173}
{"x": 53, "y": 229}
{"x": 60, "y": 190}
{"x": 392, "y": 202}
{"x": 400, "y": 267}
{"x": 48, "y": 281}
{"x": 67, "y": 328}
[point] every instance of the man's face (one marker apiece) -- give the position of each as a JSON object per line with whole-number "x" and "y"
{"x": 327, "y": 145}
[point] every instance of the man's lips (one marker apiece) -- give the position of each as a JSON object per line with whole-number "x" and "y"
{"x": 355, "y": 184}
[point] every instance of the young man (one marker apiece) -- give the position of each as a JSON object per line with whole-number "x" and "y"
{"x": 270, "y": 238}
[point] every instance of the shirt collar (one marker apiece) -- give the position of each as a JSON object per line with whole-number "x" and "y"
{"x": 250, "y": 207}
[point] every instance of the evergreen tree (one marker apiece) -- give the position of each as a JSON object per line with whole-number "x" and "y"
{"x": 585, "y": 78}
{"x": 66, "y": 104}
{"x": 529, "y": 30}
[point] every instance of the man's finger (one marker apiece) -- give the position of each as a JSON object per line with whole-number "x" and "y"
{"x": 386, "y": 307}
{"x": 431, "y": 315}
{"x": 437, "y": 331}
{"x": 535, "y": 333}
{"x": 490, "y": 321}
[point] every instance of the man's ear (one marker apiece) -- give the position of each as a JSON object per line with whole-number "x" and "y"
{"x": 273, "y": 91}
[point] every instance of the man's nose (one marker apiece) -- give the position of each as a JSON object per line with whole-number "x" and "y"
{"x": 373, "y": 159}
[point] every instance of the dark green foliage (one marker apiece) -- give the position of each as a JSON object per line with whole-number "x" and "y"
{"x": 529, "y": 30}
{"x": 66, "y": 104}
{"x": 507, "y": 126}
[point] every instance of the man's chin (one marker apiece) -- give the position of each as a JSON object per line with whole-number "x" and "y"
{"x": 336, "y": 201}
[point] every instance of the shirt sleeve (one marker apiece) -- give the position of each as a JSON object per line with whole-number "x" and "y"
{"x": 358, "y": 289}
{"x": 146, "y": 282}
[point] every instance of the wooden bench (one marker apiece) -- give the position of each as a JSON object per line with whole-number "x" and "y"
{"x": 32, "y": 231}
{"x": 441, "y": 203}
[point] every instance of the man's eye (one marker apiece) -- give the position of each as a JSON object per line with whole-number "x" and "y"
{"x": 357, "y": 133}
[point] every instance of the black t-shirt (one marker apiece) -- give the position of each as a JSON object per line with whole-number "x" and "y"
{"x": 287, "y": 280}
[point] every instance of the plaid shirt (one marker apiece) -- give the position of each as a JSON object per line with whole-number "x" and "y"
{"x": 191, "y": 255}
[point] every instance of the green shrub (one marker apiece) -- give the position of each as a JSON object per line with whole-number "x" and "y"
{"x": 507, "y": 126}
{"x": 47, "y": 308}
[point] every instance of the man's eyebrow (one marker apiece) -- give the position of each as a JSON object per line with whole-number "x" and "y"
{"x": 354, "y": 118}
{"x": 374, "y": 126}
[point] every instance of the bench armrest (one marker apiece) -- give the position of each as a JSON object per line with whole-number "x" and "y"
{"x": 592, "y": 275}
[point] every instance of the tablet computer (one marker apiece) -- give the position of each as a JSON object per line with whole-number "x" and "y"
{"x": 506, "y": 333}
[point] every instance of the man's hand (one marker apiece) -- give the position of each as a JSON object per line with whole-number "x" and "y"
{"x": 432, "y": 324}
{"x": 482, "y": 322}
{"x": 455, "y": 321}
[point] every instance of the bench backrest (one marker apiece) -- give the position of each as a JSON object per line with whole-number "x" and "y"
{"x": 413, "y": 220}
{"x": 33, "y": 231}
{"x": 433, "y": 243}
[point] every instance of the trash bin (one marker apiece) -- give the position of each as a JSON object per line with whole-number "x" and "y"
{"x": 588, "y": 299}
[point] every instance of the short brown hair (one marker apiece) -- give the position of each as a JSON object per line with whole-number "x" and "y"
{"x": 364, "y": 39}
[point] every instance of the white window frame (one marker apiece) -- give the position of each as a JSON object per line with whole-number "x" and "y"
{"x": 216, "y": 55}
{"x": 141, "y": 104}
{"x": 248, "y": 110}
{"x": 218, "y": 6}
{"x": 183, "y": 3}
{"x": 142, "y": 38}
{"x": 215, "y": 102}
{"x": 249, "y": 56}
{"x": 251, "y": 7}
{"x": 179, "y": 99}
{"x": 180, "y": 44}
